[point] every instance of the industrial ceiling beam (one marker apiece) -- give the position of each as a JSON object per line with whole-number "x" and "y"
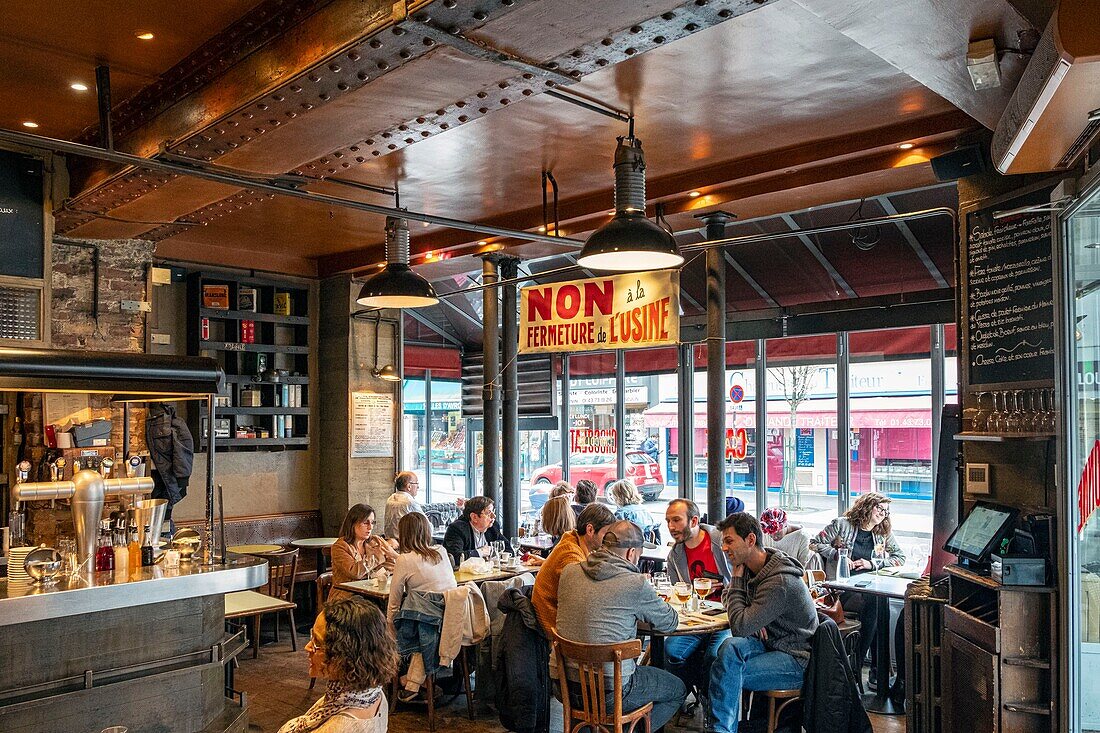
{"x": 914, "y": 243}
{"x": 818, "y": 255}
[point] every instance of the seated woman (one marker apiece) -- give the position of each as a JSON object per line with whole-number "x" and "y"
{"x": 352, "y": 648}
{"x": 358, "y": 551}
{"x": 629, "y": 502}
{"x": 788, "y": 538}
{"x": 561, "y": 488}
{"x": 421, "y": 566}
{"x": 865, "y": 532}
{"x": 557, "y": 517}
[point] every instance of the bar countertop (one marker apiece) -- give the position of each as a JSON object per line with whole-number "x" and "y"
{"x": 104, "y": 591}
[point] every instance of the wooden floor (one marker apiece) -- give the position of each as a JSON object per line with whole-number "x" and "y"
{"x": 277, "y": 687}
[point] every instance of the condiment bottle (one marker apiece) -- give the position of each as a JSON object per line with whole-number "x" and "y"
{"x": 147, "y": 549}
{"x": 122, "y": 553}
{"x": 134, "y": 548}
{"x": 104, "y": 552}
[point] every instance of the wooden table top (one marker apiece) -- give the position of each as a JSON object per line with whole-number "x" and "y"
{"x": 254, "y": 549}
{"x": 249, "y": 603}
{"x": 370, "y": 589}
{"x": 693, "y": 623}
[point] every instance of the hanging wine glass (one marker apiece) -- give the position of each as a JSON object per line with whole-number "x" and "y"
{"x": 996, "y": 418}
{"x": 979, "y": 423}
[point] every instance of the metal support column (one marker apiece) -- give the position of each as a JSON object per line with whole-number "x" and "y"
{"x": 398, "y": 392}
{"x": 509, "y": 314}
{"x": 843, "y": 425}
{"x": 563, "y": 427}
{"x": 938, "y": 386}
{"x": 716, "y": 368}
{"x": 209, "y": 550}
{"x": 620, "y": 414}
{"x": 426, "y": 435}
{"x": 491, "y": 381}
{"x": 761, "y": 406}
{"x": 685, "y": 467}
{"x": 103, "y": 99}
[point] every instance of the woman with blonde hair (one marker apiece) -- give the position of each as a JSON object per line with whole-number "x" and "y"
{"x": 350, "y": 647}
{"x": 557, "y": 517}
{"x": 561, "y": 488}
{"x": 629, "y": 502}
{"x": 421, "y": 566}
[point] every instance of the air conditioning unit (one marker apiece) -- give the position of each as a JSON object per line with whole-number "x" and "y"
{"x": 1054, "y": 113}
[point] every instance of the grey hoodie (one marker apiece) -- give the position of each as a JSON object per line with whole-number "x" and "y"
{"x": 603, "y": 599}
{"x": 775, "y": 599}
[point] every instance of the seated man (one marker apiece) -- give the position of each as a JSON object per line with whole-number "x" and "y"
{"x": 586, "y": 494}
{"x": 772, "y": 619}
{"x": 574, "y": 546}
{"x": 476, "y": 528}
{"x": 603, "y": 599}
{"x": 696, "y": 554}
{"x": 401, "y": 502}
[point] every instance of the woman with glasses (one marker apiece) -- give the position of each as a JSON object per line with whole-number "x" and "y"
{"x": 359, "y": 551}
{"x": 352, "y": 648}
{"x": 865, "y": 532}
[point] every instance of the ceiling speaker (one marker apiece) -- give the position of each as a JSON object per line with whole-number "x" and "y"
{"x": 967, "y": 160}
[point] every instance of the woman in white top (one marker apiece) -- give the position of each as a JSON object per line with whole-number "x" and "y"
{"x": 351, "y": 648}
{"x": 420, "y": 566}
{"x": 789, "y": 539}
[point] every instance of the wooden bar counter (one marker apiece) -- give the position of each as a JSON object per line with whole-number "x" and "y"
{"x": 146, "y": 651}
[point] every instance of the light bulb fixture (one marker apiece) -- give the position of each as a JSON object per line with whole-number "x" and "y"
{"x": 397, "y": 286}
{"x": 387, "y": 373}
{"x": 630, "y": 241}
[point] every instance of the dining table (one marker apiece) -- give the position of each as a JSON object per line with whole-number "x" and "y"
{"x": 318, "y": 544}
{"x": 372, "y": 588}
{"x": 709, "y": 618}
{"x": 885, "y": 584}
{"x": 254, "y": 549}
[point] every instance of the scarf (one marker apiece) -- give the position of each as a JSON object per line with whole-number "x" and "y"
{"x": 335, "y": 700}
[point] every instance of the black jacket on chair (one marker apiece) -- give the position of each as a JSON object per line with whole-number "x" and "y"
{"x": 830, "y": 699}
{"x": 522, "y": 666}
{"x": 459, "y": 539}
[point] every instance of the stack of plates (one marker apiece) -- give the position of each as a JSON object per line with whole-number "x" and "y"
{"x": 16, "y": 572}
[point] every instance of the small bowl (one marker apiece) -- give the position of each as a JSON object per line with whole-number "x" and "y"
{"x": 43, "y": 565}
{"x": 186, "y": 541}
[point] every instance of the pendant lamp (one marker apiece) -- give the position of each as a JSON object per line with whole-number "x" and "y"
{"x": 630, "y": 241}
{"x": 397, "y": 286}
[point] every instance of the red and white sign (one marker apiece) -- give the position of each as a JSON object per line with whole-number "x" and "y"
{"x": 631, "y": 311}
{"x": 1088, "y": 488}
{"x": 737, "y": 444}
{"x": 592, "y": 441}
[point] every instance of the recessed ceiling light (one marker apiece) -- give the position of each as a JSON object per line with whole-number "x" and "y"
{"x": 482, "y": 242}
{"x": 905, "y": 146}
{"x": 78, "y": 87}
{"x": 542, "y": 229}
{"x": 145, "y": 36}
{"x": 694, "y": 194}
{"x": 30, "y": 124}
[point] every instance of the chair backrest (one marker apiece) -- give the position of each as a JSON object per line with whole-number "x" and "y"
{"x": 281, "y": 569}
{"x": 590, "y": 661}
{"x": 813, "y": 577}
{"x": 324, "y": 585}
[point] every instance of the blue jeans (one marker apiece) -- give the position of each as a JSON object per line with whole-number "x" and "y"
{"x": 690, "y": 657}
{"x": 647, "y": 684}
{"x": 744, "y": 664}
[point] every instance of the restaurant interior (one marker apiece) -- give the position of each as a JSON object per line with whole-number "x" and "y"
{"x": 787, "y": 258}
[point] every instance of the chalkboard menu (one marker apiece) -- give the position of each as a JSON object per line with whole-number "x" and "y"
{"x": 1010, "y": 293}
{"x": 21, "y": 234}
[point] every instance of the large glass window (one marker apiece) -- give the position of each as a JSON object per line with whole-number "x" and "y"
{"x": 434, "y": 437}
{"x": 593, "y": 435}
{"x": 414, "y": 451}
{"x": 799, "y": 447}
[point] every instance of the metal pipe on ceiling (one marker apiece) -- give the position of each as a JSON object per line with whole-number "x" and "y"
{"x": 211, "y": 173}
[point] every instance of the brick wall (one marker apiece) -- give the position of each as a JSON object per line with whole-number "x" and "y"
{"x": 122, "y": 274}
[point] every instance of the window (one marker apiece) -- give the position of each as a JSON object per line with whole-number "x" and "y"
{"x": 593, "y": 439}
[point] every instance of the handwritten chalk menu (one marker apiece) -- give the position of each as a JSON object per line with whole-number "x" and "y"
{"x": 371, "y": 425}
{"x": 1010, "y": 295}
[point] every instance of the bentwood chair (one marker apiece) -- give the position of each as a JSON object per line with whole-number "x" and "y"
{"x": 592, "y": 691}
{"x": 429, "y": 690}
{"x": 282, "y": 567}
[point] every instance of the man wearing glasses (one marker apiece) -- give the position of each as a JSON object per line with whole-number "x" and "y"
{"x": 475, "y": 529}
{"x": 402, "y": 501}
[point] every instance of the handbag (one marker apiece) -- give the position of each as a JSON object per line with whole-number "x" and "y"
{"x": 829, "y": 604}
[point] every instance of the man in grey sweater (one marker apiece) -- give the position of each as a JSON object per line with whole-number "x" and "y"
{"x": 602, "y": 600}
{"x": 772, "y": 619}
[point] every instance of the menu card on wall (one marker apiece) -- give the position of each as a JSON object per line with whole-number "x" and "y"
{"x": 371, "y": 425}
{"x": 1010, "y": 293}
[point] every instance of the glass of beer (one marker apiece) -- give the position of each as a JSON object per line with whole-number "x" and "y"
{"x": 702, "y": 587}
{"x": 682, "y": 592}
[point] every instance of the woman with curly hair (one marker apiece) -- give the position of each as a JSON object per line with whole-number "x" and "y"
{"x": 557, "y": 517}
{"x": 865, "y": 532}
{"x": 354, "y": 650}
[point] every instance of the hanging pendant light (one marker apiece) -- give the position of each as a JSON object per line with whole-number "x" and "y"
{"x": 397, "y": 286}
{"x": 630, "y": 241}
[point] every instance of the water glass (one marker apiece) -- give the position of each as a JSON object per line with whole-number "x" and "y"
{"x": 513, "y": 542}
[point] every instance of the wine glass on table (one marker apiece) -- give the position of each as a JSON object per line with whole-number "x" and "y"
{"x": 702, "y": 588}
{"x": 682, "y": 592}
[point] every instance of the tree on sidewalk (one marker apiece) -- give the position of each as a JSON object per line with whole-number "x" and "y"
{"x": 796, "y": 384}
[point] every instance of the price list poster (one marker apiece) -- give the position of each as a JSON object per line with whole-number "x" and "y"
{"x": 1010, "y": 293}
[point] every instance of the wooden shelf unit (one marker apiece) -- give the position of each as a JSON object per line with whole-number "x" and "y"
{"x": 283, "y": 340}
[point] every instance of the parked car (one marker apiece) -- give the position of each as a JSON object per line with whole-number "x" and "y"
{"x": 600, "y": 469}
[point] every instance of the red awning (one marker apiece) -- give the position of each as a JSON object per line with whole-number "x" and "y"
{"x": 444, "y": 363}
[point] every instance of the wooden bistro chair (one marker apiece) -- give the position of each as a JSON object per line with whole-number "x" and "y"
{"x": 429, "y": 690}
{"x": 280, "y": 584}
{"x": 593, "y": 713}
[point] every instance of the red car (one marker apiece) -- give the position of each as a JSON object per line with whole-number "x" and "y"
{"x": 600, "y": 469}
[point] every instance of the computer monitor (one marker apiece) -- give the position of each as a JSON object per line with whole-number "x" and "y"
{"x": 981, "y": 532}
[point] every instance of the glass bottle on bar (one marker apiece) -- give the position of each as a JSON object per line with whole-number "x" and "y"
{"x": 120, "y": 549}
{"x": 104, "y": 551}
{"x": 133, "y": 548}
